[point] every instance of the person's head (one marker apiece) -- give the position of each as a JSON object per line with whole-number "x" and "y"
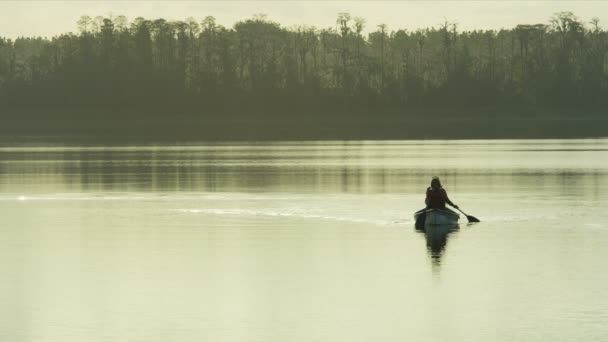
{"x": 435, "y": 183}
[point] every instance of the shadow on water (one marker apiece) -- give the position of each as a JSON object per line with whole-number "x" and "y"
{"x": 436, "y": 237}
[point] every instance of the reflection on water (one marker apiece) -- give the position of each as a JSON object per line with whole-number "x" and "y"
{"x": 300, "y": 241}
{"x": 363, "y": 167}
{"x": 436, "y": 237}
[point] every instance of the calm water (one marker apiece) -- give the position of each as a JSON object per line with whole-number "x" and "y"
{"x": 303, "y": 242}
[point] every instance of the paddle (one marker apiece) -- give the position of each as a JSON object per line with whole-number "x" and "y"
{"x": 469, "y": 217}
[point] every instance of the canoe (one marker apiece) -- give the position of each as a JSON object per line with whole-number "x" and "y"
{"x": 430, "y": 217}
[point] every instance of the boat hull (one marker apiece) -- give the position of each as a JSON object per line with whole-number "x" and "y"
{"x": 434, "y": 217}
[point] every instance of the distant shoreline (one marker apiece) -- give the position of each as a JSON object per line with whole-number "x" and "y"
{"x": 112, "y": 126}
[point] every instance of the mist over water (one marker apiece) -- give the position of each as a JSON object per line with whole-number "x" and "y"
{"x": 295, "y": 241}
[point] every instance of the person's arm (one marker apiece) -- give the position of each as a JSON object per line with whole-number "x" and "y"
{"x": 427, "y": 199}
{"x": 447, "y": 200}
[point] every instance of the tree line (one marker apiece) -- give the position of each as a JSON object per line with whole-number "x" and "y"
{"x": 257, "y": 64}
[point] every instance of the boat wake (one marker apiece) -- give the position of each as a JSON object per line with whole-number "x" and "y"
{"x": 142, "y": 197}
{"x": 295, "y": 214}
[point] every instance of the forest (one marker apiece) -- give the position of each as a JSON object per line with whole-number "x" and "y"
{"x": 258, "y": 70}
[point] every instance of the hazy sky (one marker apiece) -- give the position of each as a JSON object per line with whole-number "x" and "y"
{"x": 47, "y": 18}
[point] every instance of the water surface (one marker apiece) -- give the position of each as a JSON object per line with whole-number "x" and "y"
{"x": 301, "y": 241}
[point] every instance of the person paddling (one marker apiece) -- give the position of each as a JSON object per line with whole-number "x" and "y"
{"x": 436, "y": 196}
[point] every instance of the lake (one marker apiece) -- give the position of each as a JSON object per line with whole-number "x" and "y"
{"x": 303, "y": 241}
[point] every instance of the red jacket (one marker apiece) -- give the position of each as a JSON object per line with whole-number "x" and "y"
{"x": 437, "y": 198}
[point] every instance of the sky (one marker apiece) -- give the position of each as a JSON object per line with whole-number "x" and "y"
{"x": 49, "y": 18}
